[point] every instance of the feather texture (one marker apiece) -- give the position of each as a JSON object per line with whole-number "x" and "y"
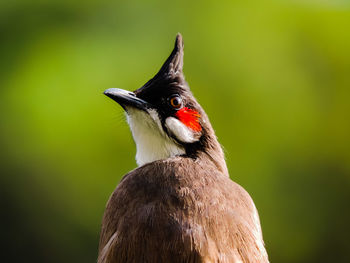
{"x": 180, "y": 210}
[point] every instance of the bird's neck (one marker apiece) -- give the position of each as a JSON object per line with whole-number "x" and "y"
{"x": 214, "y": 153}
{"x": 209, "y": 150}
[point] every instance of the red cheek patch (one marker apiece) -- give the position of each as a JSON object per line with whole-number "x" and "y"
{"x": 190, "y": 118}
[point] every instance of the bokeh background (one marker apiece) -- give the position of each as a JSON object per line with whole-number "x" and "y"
{"x": 273, "y": 76}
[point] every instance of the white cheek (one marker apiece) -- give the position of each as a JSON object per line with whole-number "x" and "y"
{"x": 155, "y": 117}
{"x": 151, "y": 141}
{"x": 180, "y": 130}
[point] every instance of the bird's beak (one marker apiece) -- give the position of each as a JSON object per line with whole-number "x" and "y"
{"x": 126, "y": 98}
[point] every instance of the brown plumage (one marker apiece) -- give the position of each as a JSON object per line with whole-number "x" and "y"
{"x": 182, "y": 208}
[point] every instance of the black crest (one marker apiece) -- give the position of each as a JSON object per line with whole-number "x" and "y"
{"x": 170, "y": 72}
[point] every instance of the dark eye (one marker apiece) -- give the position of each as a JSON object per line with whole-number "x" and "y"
{"x": 175, "y": 102}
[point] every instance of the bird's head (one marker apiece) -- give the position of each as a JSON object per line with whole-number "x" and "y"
{"x": 164, "y": 117}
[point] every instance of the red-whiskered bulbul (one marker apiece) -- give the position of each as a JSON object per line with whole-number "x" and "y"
{"x": 179, "y": 205}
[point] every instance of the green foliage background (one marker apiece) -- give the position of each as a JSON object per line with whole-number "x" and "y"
{"x": 274, "y": 77}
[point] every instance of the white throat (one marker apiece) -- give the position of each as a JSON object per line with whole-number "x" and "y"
{"x": 152, "y": 143}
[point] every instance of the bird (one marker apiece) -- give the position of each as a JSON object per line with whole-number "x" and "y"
{"x": 179, "y": 204}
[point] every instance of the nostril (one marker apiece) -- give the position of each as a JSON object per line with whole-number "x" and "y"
{"x": 132, "y": 94}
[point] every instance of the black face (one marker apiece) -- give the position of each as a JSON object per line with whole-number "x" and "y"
{"x": 167, "y": 96}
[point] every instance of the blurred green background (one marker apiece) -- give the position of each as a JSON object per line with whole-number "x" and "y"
{"x": 273, "y": 76}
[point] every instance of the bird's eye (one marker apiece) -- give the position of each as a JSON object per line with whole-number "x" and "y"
{"x": 175, "y": 102}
